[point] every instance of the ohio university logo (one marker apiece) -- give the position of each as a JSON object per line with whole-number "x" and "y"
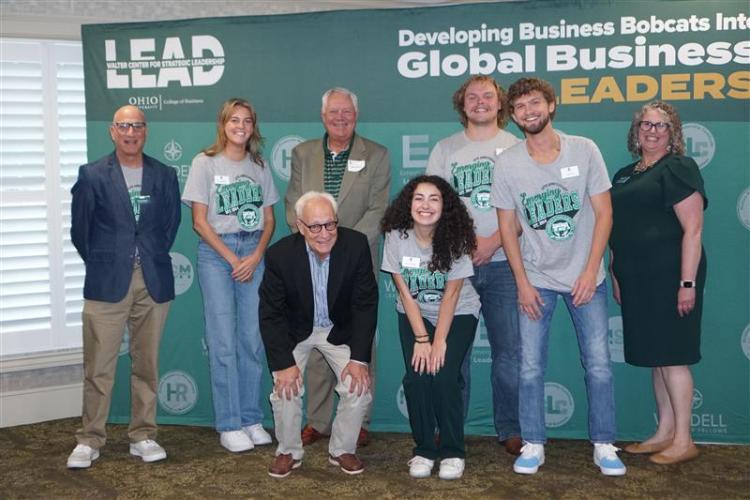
{"x": 172, "y": 151}
{"x": 558, "y": 404}
{"x": 281, "y": 155}
{"x": 699, "y": 143}
{"x": 178, "y": 392}
{"x": 183, "y": 272}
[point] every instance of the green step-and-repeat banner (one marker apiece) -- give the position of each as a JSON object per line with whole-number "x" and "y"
{"x": 605, "y": 60}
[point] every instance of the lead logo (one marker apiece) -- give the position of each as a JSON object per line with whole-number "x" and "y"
{"x": 697, "y": 399}
{"x": 178, "y": 392}
{"x": 699, "y": 143}
{"x": 615, "y": 339}
{"x": 558, "y": 404}
{"x": 183, "y": 272}
{"x": 281, "y": 155}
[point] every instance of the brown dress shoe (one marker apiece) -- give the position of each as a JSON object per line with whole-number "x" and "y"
{"x": 364, "y": 438}
{"x": 282, "y": 465}
{"x": 310, "y": 435}
{"x": 348, "y": 462}
{"x": 513, "y": 445}
{"x": 663, "y": 459}
{"x": 644, "y": 448}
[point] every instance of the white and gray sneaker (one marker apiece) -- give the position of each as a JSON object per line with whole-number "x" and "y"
{"x": 236, "y": 441}
{"x": 257, "y": 434}
{"x": 149, "y": 450}
{"x": 451, "y": 468}
{"x": 420, "y": 467}
{"x": 82, "y": 456}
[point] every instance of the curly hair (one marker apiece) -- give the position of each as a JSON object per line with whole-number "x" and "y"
{"x": 253, "y": 145}
{"x": 460, "y": 95}
{"x": 676, "y": 141}
{"x": 454, "y": 235}
{"x": 524, "y": 86}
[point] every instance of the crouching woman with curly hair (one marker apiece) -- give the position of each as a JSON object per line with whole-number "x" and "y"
{"x": 429, "y": 238}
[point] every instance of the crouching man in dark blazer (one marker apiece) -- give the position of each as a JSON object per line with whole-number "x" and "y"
{"x": 125, "y": 214}
{"x": 318, "y": 292}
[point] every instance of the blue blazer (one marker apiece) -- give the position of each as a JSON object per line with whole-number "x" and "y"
{"x": 105, "y": 233}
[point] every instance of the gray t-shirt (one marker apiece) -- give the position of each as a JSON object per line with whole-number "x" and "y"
{"x": 133, "y": 180}
{"x": 234, "y": 191}
{"x": 468, "y": 165}
{"x": 553, "y": 204}
{"x": 407, "y": 258}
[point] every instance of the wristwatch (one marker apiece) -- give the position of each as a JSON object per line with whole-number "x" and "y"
{"x": 687, "y": 284}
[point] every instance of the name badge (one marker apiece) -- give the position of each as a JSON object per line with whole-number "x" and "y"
{"x": 410, "y": 262}
{"x": 498, "y": 151}
{"x": 355, "y": 165}
{"x": 221, "y": 179}
{"x": 568, "y": 172}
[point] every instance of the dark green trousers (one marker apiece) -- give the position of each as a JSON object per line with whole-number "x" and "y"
{"x": 434, "y": 401}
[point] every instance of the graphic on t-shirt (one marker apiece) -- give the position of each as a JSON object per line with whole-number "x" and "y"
{"x": 242, "y": 198}
{"x": 552, "y": 211}
{"x": 425, "y": 286}
{"x": 136, "y": 200}
{"x": 474, "y": 180}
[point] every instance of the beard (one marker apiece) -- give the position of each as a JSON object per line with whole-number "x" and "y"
{"x": 535, "y": 128}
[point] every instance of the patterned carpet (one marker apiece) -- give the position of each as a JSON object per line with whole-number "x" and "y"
{"x": 32, "y": 465}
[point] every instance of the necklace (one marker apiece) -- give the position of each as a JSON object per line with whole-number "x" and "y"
{"x": 641, "y": 166}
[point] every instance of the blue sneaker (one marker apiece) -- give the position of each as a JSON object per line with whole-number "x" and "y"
{"x": 605, "y": 457}
{"x": 531, "y": 458}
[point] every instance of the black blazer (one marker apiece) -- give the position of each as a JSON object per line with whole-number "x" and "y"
{"x": 105, "y": 233}
{"x": 287, "y": 304}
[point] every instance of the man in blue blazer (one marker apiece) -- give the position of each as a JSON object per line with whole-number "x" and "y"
{"x": 319, "y": 294}
{"x": 125, "y": 215}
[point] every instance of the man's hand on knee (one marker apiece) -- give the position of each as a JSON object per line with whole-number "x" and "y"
{"x": 360, "y": 375}
{"x": 288, "y": 382}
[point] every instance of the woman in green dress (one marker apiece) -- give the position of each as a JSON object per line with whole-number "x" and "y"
{"x": 659, "y": 271}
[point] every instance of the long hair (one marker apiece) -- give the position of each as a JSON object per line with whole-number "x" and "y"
{"x": 676, "y": 141}
{"x": 454, "y": 235}
{"x": 460, "y": 95}
{"x": 253, "y": 145}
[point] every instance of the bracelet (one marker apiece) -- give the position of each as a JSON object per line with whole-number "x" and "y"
{"x": 421, "y": 341}
{"x": 421, "y": 336}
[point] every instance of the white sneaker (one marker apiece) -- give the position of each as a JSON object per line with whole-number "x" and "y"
{"x": 451, "y": 468}
{"x": 605, "y": 457}
{"x": 257, "y": 434}
{"x": 149, "y": 450}
{"x": 531, "y": 458}
{"x": 420, "y": 467}
{"x": 236, "y": 441}
{"x": 82, "y": 456}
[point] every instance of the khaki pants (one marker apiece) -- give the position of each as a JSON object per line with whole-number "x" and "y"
{"x": 287, "y": 413}
{"x": 103, "y": 330}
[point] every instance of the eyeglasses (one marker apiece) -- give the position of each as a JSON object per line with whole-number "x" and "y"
{"x": 646, "y": 126}
{"x": 316, "y": 228}
{"x": 125, "y": 126}
{"x": 346, "y": 113}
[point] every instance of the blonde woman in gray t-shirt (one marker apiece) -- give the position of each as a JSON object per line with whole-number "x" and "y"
{"x": 428, "y": 244}
{"x": 231, "y": 193}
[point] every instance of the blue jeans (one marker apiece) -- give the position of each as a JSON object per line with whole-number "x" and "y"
{"x": 235, "y": 349}
{"x": 590, "y": 322}
{"x": 496, "y": 287}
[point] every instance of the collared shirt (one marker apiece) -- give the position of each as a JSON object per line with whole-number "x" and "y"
{"x": 319, "y": 274}
{"x": 334, "y": 167}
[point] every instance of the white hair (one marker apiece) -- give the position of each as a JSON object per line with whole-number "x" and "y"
{"x": 309, "y": 196}
{"x": 339, "y": 90}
